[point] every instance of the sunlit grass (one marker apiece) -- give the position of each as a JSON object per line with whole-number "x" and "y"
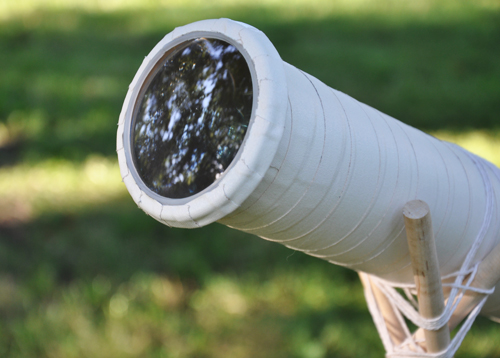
{"x": 27, "y": 191}
{"x": 283, "y": 8}
{"x": 153, "y": 315}
{"x": 482, "y": 143}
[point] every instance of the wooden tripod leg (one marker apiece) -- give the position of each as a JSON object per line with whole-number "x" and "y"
{"x": 426, "y": 270}
{"x": 394, "y": 327}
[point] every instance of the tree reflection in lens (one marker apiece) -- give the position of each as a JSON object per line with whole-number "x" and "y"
{"x": 192, "y": 118}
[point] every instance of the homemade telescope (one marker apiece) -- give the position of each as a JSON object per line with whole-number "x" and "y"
{"x": 216, "y": 127}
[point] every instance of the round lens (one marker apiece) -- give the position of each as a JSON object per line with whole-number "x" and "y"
{"x": 192, "y": 117}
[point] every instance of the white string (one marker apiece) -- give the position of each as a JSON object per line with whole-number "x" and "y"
{"x": 407, "y": 306}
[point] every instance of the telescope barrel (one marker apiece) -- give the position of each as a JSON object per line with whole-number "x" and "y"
{"x": 216, "y": 127}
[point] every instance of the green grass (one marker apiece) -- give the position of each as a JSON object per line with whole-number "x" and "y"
{"x": 84, "y": 273}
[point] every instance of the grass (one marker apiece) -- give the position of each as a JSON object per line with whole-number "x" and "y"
{"x": 84, "y": 273}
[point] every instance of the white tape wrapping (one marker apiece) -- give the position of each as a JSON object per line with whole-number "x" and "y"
{"x": 347, "y": 171}
{"x": 325, "y": 174}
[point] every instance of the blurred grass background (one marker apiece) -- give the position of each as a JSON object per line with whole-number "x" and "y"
{"x": 84, "y": 273}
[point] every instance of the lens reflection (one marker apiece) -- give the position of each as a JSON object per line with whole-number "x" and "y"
{"x": 192, "y": 118}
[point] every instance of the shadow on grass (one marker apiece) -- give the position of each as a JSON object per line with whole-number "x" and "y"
{"x": 118, "y": 240}
{"x": 84, "y": 264}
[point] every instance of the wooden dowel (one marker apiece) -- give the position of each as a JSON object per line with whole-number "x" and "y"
{"x": 425, "y": 266}
{"x": 394, "y": 327}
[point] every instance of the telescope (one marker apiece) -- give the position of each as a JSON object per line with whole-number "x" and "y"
{"x": 216, "y": 127}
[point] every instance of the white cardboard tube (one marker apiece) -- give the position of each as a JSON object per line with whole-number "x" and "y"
{"x": 325, "y": 174}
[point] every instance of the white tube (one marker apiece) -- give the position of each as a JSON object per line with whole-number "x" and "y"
{"x": 323, "y": 173}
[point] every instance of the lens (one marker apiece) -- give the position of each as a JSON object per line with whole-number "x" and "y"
{"x": 192, "y": 117}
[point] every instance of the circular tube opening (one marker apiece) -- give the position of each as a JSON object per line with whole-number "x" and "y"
{"x": 191, "y": 117}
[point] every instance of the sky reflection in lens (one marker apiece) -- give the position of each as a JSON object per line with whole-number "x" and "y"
{"x": 192, "y": 118}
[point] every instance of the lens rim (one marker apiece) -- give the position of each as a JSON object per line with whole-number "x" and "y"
{"x": 175, "y": 45}
{"x": 251, "y": 166}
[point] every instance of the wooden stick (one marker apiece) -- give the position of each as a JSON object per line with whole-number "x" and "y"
{"x": 396, "y": 331}
{"x": 425, "y": 266}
